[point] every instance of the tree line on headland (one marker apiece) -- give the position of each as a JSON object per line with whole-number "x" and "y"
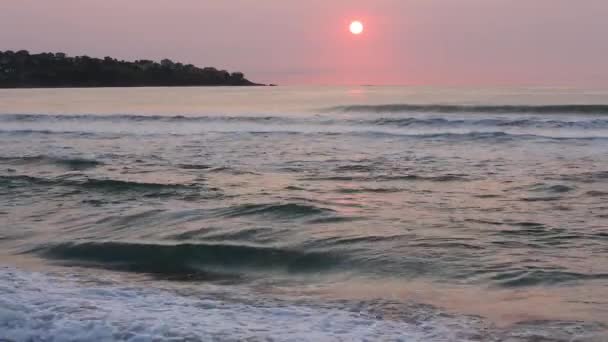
{"x": 24, "y": 70}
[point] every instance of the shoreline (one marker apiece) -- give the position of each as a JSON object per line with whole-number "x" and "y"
{"x": 109, "y": 294}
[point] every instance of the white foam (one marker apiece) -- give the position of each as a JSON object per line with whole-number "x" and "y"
{"x": 40, "y": 307}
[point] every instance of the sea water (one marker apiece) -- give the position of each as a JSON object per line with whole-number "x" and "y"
{"x": 304, "y": 214}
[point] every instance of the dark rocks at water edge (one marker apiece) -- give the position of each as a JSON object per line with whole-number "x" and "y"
{"x": 24, "y": 70}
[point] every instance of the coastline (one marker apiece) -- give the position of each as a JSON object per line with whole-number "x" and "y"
{"x": 21, "y": 69}
{"x": 144, "y": 86}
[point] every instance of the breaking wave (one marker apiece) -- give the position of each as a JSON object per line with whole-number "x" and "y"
{"x": 192, "y": 260}
{"x": 532, "y": 109}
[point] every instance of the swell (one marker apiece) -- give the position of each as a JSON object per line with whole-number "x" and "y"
{"x": 585, "y": 177}
{"x": 20, "y": 132}
{"x": 388, "y": 178}
{"x": 102, "y": 185}
{"x": 482, "y": 135}
{"x": 421, "y": 129}
{"x": 69, "y": 163}
{"x": 278, "y": 210}
{"x": 176, "y": 259}
{"x": 371, "y": 131}
{"x": 501, "y": 123}
{"x": 535, "y": 277}
{"x": 218, "y": 261}
{"x": 438, "y": 108}
{"x": 133, "y": 118}
{"x": 383, "y": 121}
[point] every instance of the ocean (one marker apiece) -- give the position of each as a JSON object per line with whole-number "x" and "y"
{"x": 357, "y": 213}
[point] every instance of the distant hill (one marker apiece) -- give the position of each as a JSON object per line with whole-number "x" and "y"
{"x": 24, "y": 70}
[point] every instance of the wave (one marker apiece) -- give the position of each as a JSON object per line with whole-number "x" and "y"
{"x": 501, "y": 123}
{"x": 19, "y": 132}
{"x": 596, "y": 193}
{"x": 69, "y": 163}
{"x": 134, "y": 118}
{"x": 387, "y": 178}
{"x": 416, "y": 128}
{"x": 196, "y": 260}
{"x": 107, "y": 185}
{"x": 438, "y": 108}
{"x": 369, "y": 190}
{"x": 457, "y": 134}
{"x": 383, "y": 121}
{"x": 120, "y": 185}
{"x": 231, "y": 261}
{"x": 278, "y": 210}
{"x": 558, "y": 188}
{"x": 493, "y": 135}
{"x": 535, "y": 277}
{"x": 193, "y": 166}
{"x": 586, "y": 177}
{"x": 342, "y": 130}
{"x": 230, "y": 170}
{"x": 37, "y": 306}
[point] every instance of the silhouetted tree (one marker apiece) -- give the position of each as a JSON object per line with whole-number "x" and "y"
{"x": 22, "y": 69}
{"x": 166, "y": 63}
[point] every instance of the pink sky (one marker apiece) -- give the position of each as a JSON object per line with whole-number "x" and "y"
{"x": 431, "y": 42}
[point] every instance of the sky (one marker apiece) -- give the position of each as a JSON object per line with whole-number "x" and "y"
{"x": 410, "y": 42}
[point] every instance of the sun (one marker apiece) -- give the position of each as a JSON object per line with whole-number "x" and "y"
{"x": 356, "y": 27}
